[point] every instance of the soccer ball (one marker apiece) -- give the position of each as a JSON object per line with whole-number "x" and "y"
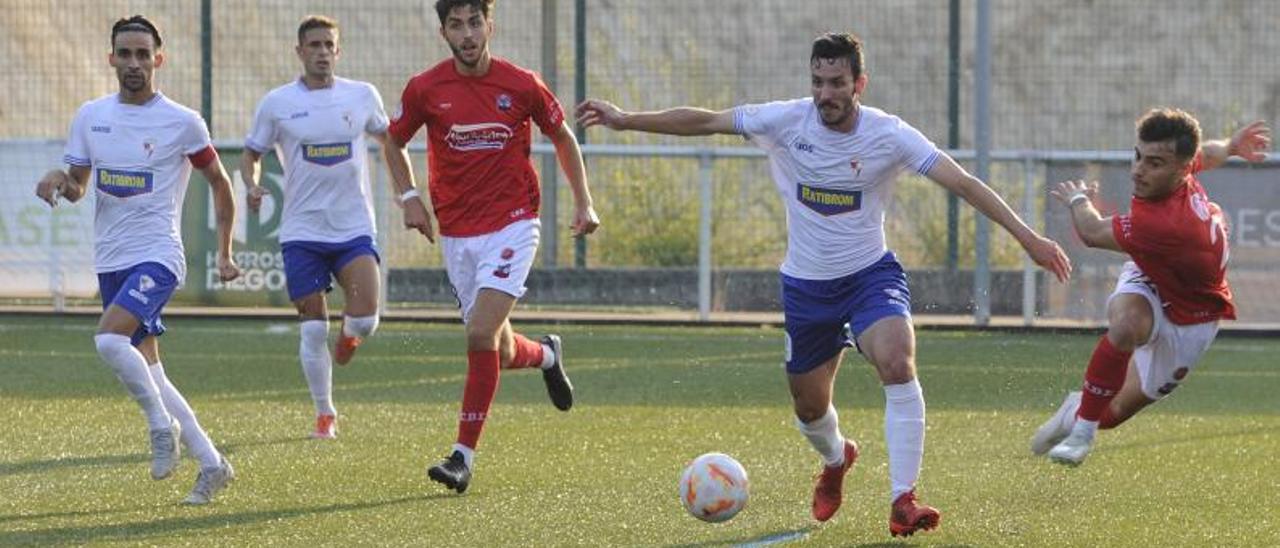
{"x": 714, "y": 487}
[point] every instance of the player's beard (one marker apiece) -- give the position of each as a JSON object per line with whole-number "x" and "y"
{"x": 133, "y": 83}
{"x": 460, "y": 55}
{"x": 833, "y": 113}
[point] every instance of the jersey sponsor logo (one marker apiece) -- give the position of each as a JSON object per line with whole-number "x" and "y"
{"x": 327, "y": 154}
{"x": 504, "y": 102}
{"x": 804, "y": 147}
{"x": 829, "y": 201}
{"x": 100, "y": 129}
{"x": 123, "y": 184}
{"x": 483, "y": 136}
{"x": 297, "y": 115}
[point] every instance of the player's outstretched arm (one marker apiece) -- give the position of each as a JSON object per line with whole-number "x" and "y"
{"x": 674, "y": 121}
{"x": 585, "y": 220}
{"x": 249, "y": 161}
{"x": 1045, "y": 252}
{"x": 402, "y": 183}
{"x": 69, "y": 184}
{"x": 224, "y": 211}
{"x": 1094, "y": 229}
{"x": 1249, "y": 142}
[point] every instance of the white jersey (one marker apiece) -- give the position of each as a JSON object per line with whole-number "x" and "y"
{"x": 319, "y": 136}
{"x": 835, "y": 185}
{"x": 138, "y": 156}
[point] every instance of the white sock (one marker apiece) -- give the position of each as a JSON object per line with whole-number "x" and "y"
{"x": 1085, "y": 428}
{"x": 131, "y": 368}
{"x": 904, "y": 435}
{"x": 824, "y": 435}
{"x": 468, "y": 454}
{"x": 548, "y": 357}
{"x": 359, "y": 326}
{"x": 317, "y": 367}
{"x": 197, "y": 441}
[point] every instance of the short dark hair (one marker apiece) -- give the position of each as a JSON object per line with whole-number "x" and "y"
{"x": 443, "y": 7}
{"x": 833, "y": 45}
{"x": 316, "y": 22}
{"x": 137, "y": 23}
{"x": 1171, "y": 124}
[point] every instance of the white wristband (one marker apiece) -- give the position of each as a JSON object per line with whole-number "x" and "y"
{"x": 409, "y": 195}
{"x": 1076, "y": 198}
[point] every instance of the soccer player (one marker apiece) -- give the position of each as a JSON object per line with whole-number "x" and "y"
{"x": 478, "y": 110}
{"x": 834, "y": 161}
{"x": 317, "y": 123}
{"x": 1171, "y": 294}
{"x": 137, "y": 148}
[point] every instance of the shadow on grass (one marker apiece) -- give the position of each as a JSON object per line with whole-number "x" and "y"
{"x": 151, "y": 529}
{"x": 1172, "y": 440}
{"x": 74, "y": 514}
{"x": 37, "y": 466}
{"x": 780, "y": 537}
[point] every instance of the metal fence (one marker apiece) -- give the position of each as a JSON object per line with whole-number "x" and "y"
{"x": 1065, "y": 77}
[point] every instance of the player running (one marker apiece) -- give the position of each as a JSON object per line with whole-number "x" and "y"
{"x": 137, "y": 148}
{"x": 478, "y": 110}
{"x": 317, "y": 124}
{"x": 834, "y": 162}
{"x": 1164, "y": 312}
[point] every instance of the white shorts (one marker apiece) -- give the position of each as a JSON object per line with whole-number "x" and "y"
{"x": 1166, "y": 358}
{"x": 499, "y": 260}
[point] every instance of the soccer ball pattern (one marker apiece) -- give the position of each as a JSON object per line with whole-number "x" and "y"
{"x": 714, "y": 487}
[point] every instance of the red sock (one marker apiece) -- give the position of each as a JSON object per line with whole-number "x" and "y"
{"x": 528, "y": 353}
{"x": 1108, "y": 420}
{"x": 477, "y": 395}
{"x": 1103, "y": 378}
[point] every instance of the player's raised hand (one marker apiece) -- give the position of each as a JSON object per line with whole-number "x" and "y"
{"x": 50, "y": 186}
{"x": 596, "y": 112}
{"x": 585, "y": 221}
{"x": 1065, "y": 191}
{"x": 1050, "y": 256}
{"x": 256, "y": 192}
{"x": 227, "y": 268}
{"x": 416, "y": 218}
{"x": 1250, "y": 142}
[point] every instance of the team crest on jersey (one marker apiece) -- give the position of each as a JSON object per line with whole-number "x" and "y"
{"x": 508, "y": 253}
{"x": 123, "y": 184}
{"x": 504, "y": 102}
{"x": 327, "y": 154}
{"x": 346, "y": 117}
{"x": 484, "y": 136}
{"x": 856, "y": 166}
{"x": 829, "y": 201}
{"x": 149, "y": 147}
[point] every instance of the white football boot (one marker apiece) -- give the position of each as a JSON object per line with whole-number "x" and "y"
{"x": 1058, "y": 426}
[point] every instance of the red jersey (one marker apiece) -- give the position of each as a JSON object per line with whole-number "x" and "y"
{"x": 1180, "y": 243}
{"x": 478, "y": 142}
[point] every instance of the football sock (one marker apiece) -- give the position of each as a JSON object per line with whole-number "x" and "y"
{"x": 529, "y": 353}
{"x": 548, "y": 357}
{"x": 903, "y": 435}
{"x": 824, "y": 435}
{"x": 468, "y": 454}
{"x": 131, "y": 368}
{"x": 359, "y": 326}
{"x": 197, "y": 441}
{"x": 317, "y": 366}
{"x": 477, "y": 395}
{"x": 1108, "y": 420}
{"x": 1103, "y": 378}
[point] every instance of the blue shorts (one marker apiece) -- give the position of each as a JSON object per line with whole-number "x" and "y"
{"x": 823, "y": 317}
{"x": 143, "y": 290}
{"x": 309, "y": 267}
